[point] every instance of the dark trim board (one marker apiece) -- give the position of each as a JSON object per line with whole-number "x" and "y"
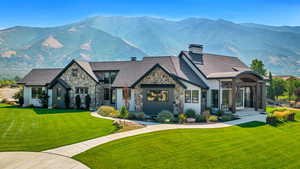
{"x": 157, "y": 85}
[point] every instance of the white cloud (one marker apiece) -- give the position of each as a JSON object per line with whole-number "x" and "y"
{"x": 275, "y": 60}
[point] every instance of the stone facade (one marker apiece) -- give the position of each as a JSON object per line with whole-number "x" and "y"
{"x": 158, "y": 76}
{"x": 81, "y": 80}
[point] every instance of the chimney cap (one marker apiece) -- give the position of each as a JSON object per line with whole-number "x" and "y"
{"x": 133, "y": 58}
{"x": 195, "y": 45}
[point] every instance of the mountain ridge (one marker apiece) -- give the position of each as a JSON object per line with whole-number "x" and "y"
{"x": 120, "y": 37}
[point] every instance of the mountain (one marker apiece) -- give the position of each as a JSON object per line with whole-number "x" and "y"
{"x": 119, "y": 38}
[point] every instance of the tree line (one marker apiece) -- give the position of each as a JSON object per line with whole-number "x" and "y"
{"x": 278, "y": 86}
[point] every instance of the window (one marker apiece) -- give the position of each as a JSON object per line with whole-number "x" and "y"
{"x": 36, "y": 92}
{"x": 158, "y": 95}
{"x": 215, "y": 98}
{"x": 58, "y": 93}
{"x": 82, "y": 90}
{"x": 188, "y": 95}
{"x": 106, "y": 93}
{"x": 106, "y": 77}
{"x": 191, "y": 96}
{"x": 74, "y": 72}
{"x": 126, "y": 92}
{"x": 113, "y": 76}
{"x": 195, "y": 96}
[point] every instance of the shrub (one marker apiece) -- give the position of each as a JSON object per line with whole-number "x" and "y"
{"x": 87, "y": 101}
{"x": 271, "y": 119}
{"x": 182, "y": 118}
{"x": 21, "y": 101}
{"x": 201, "y": 118}
{"x": 77, "y": 101}
{"x": 4, "y": 101}
{"x": 106, "y": 110}
{"x": 219, "y": 113}
{"x": 165, "y": 116}
{"x": 115, "y": 114}
{"x": 140, "y": 116}
{"x": 190, "y": 113}
{"x": 124, "y": 112}
{"x": 131, "y": 116}
{"x": 44, "y": 99}
{"x": 227, "y": 117}
{"x": 117, "y": 124}
{"x": 213, "y": 118}
{"x": 282, "y": 115}
{"x": 67, "y": 100}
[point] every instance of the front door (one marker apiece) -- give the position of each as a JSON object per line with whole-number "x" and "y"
{"x": 157, "y": 99}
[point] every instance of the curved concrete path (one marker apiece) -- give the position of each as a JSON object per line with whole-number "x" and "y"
{"x": 74, "y": 149}
{"x": 37, "y": 160}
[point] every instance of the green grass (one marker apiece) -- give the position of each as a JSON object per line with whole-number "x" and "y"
{"x": 253, "y": 145}
{"x": 28, "y": 129}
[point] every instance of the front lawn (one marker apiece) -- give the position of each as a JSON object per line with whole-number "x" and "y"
{"x": 33, "y": 129}
{"x": 253, "y": 145}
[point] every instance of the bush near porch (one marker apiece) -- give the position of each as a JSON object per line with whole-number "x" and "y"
{"x": 279, "y": 115}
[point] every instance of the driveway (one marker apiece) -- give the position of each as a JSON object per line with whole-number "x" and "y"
{"x": 37, "y": 160}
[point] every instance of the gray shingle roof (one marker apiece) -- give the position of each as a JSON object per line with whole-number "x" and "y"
{"x": 130, "y": 72}
{"x": 40, "y": 77}
{"x": 218, "y": 66}
{"x": 88, "y": 68}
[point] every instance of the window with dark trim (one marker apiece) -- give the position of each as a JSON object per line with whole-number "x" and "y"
{"x": 106, "y": 77}
{"x": 36, "y": 92}
{"x": 106, "y": 93}
{"x": 195, "y": 96}
{"x": 81, "y": 90}
{"x": 187, "y": 96}
{"x": 158, "y": 95}
{"x": 74, "y": 72}
{"x": 58, "y": 93}
{"x": 215, "y": 98}
{"x": 191, "y": 96}
{"x": 112, "y": 76}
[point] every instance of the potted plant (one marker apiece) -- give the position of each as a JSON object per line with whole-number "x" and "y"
{"x": 190, "y": 116}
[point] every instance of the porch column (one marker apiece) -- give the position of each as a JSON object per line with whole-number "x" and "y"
{"x": 233, "y": 108}
{"x": 263, "y": 97}
{"x": 256, "y": 96}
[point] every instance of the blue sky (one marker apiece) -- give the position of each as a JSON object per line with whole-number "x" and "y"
{"x": 59, "y": 12}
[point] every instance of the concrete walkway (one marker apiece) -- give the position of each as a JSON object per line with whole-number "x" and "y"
{"x": 74, "y": 149}
{"x": 37, "y": 160}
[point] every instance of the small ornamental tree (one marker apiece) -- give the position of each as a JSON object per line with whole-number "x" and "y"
{"x": 21, "y": 101}
{"x": 87, "y": 101}
{"x": 278, "y": 87}
{"x": 67, "y": 100}
{"x": 126, "y": 96}
{"x": 44, "y": 99}
{"x": 77, "y": 101}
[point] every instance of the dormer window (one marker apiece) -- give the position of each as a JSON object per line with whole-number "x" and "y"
{"x": 74, "y": 72}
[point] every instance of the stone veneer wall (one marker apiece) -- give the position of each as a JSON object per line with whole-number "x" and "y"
{"x": 158, "y": 76}
{"x": 82, "y": 80}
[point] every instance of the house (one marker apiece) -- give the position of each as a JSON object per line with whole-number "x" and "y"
{"x": 192, "y": 79}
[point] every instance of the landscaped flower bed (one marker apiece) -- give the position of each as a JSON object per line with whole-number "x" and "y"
{"x": 165, "y": 116}
{"x": 280, "y": 115}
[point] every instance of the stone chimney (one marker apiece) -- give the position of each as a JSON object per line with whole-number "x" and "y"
{"x": 133, "y": 58}
{"x": 196, "y": 48}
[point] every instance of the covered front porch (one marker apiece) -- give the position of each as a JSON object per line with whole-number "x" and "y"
{"x": 244, "y": 94}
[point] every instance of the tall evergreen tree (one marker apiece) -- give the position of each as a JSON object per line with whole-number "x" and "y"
{"x": 270, "y": 93}
{"x": 258, "y": 66}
